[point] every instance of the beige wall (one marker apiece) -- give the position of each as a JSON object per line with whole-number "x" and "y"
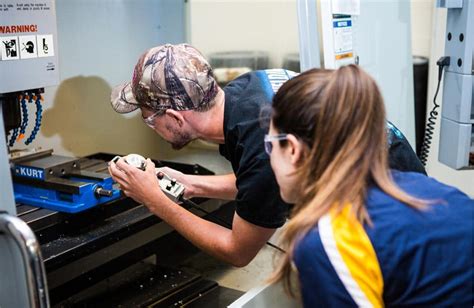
{"x": 238, "y": 25}
{"x": 98, "y": 49}
{"x": 277, "y": 33}
{"x": 78, "y": 121}
{"x": 421, "y": 21}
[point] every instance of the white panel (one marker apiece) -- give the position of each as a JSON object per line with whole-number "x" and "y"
{"x": 383, "y": 43}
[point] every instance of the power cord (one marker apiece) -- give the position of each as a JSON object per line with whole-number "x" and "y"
{"x": 430, "y": 125}
{"x": 223, "y": 222}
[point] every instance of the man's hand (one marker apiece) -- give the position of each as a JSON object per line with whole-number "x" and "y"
{"x": 142, "y": 186}
{"x": 237, "y": 246}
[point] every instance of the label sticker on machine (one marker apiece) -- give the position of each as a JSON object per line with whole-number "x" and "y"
{"x": 29, "y": 172}
{"x": 9, "y": 49}
{"x": 343, "y": 40}
{"x": 28, "y": 47}
{"x": 342, "y": 35}
{"x": 45, "y": 45}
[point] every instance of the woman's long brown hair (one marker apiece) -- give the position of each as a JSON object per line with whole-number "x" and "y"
{"x": 340, "y": 116}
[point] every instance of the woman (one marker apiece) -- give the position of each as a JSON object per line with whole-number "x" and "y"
{"x": 360, "y": 233}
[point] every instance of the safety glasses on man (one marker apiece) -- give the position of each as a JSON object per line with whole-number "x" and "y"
{"x": 150, "y": 120}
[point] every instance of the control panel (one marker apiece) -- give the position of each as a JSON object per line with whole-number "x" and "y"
{"x": 172, "y": 188}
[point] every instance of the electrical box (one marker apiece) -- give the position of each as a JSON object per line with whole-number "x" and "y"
{"x": 28, "y": 45}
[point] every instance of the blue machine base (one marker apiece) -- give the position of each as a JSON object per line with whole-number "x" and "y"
{"x": 64, "y": 202}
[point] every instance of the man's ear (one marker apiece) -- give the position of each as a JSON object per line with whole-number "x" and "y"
{"x": 176, "y": 116}
{"x": 295, "y": 148}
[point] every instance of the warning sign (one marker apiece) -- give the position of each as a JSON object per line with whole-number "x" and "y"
{"x": 9, "y": 48}
{"x": 28, "y": 47}
{"x": 18, "y": 28}
{"x": 45, "y": 45}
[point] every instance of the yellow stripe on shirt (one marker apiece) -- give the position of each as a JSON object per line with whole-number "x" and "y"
{"x": 358, "y": 254}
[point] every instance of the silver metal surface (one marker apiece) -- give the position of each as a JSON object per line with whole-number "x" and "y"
{"x": 308, "y": 35}
{"x": 271, "y": 295}
{"x": 17, "y": 156}
{"x": 457, "y": 115}
{"x": 455, "y": 144}
{"x": 7, "y": 199}
{"x": 450, "y": 4}
{"x": 53, "y": 165}
{"x": 29, "y": 247}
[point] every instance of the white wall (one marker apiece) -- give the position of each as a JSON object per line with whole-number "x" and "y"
{"x": 382, "y": 41}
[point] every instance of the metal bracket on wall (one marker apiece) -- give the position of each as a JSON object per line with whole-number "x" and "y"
{"x": 457, "y": 117}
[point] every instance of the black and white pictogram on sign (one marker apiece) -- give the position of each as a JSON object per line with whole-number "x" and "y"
{"x": 9, "y": 48}
{"x": 45, "y": 45}
{"x": 28, "y": 47}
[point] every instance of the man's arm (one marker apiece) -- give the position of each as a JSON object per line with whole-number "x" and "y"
{"x": 207, "y": 186}
{"x": 237, "y": 246}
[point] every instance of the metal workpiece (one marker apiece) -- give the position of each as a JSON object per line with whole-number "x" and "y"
{"x": 29, "y": 248}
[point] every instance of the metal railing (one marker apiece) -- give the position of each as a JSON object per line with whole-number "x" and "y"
{"x": 30, "y": 251}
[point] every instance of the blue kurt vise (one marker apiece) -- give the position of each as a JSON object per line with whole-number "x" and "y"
{"x": 57, "y": 183}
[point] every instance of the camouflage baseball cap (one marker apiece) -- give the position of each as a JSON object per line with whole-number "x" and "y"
{"x": 167, "y": 77}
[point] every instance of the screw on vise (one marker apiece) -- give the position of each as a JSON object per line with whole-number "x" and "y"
{"x": 101, "y": 192}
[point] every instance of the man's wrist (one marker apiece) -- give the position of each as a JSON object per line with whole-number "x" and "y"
{"x": 192, "y": 189}
{"x": 158, "y": 204}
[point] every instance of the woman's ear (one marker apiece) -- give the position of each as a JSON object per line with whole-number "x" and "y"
{"x": 295, "y": 148}
{"x": 176, "y": 116}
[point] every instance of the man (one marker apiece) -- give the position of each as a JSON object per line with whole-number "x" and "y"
{"x": 175, "y": 90}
